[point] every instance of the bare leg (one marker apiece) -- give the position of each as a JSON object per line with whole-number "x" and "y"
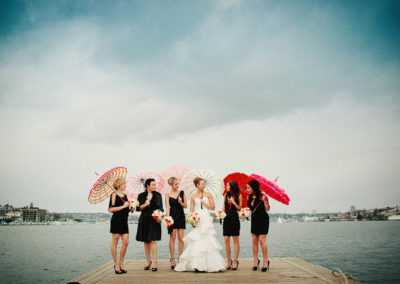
{"x": 125, "y": 242}
{"x": 172, "y": 238}
{"x": 114, "y": 243}
{"x": 264, "y": 249}
{"x": 227, "y": 240}
{"x": 255, "y": 248}
{"x": 153, "y": 248}
{"x": 147, "y": 252}
{"x": 181, "y": 233}
{"x": 237, "y": 249}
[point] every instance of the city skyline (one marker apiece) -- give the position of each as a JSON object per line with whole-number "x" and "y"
{"x": 305, "y": 91}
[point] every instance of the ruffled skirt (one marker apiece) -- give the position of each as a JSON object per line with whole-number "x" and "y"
{"x": 202, "y": 251}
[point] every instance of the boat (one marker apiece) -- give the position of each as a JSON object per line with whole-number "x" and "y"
{"x": 394, "y": 218}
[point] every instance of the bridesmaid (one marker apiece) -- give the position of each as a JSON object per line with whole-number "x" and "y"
{"x": 259, "y": 223}
{"x": 149, "y": 230}
{"x": 119, "y": 206}
{"x": 232, "y": 204}
{"x": 175, "y": 201}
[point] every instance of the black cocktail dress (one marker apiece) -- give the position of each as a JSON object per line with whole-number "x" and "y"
{"x": 149, "y": 229}
{"x": 259, "y": 217}
{"x": 119, "y": 219}
{"x": 176, "y": 212}
{"x": 231, "y": 225}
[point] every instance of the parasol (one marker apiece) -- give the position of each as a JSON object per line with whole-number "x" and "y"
{"x": 174, "y": 171}
{"x": 242, "y": 180}
{"x": 272, "y": 189}
{"x": 102, "y": 189}
{"x": 135, "y": 183}
{"x": 214, "y": 185}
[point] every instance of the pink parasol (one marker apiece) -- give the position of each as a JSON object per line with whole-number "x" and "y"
{"x": 135, "y": 183}
{"x": 242, "y": 180}
{"x": 174, "y": 171}
{"x": 272, "y": 189}
{"x": 102, "y": 189}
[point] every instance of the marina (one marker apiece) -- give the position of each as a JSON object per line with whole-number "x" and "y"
{"x": 282, "y": 270}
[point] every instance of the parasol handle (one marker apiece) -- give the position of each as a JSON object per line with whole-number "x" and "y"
{"x": 276, "y": 179}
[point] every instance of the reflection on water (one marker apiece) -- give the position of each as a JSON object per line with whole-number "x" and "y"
{"x": 56, "y": 254}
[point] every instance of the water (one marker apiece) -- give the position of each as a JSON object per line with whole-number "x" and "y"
{"x": 57, "y": 254}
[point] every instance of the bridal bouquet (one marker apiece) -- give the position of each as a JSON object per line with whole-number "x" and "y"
{"x": 168, "y": 221}
{"x": 133, "y": 203}
{"x": 157, "y": 215}
{"x": 193, "y": 218}
{"x": 219, "y": 215}
{"x": 245, "y": 213}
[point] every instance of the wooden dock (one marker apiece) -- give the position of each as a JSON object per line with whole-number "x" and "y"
{"x": 282, "y": 270}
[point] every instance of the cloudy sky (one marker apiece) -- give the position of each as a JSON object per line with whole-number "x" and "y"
{"x": 305, "y": 90}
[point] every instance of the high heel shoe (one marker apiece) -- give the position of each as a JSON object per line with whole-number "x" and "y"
{"x": 154, "y": 269}
{"x": 170, "y": 261}
{"x": 229, "y": 267}
{"x": 148, "y": 267}
{"x": 237, "y": 265}
{"x": 256, "y": 267}
{"x": 117, "y": 271}
{"x": 263, "y": 269}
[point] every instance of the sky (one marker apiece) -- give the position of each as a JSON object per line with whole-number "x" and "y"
{"x": 305, "y": 90}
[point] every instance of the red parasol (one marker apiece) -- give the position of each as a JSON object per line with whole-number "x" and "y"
{"x": 242, "y": 180}
{"x": 102, "y": 189}
{"x": 272, "y": 189}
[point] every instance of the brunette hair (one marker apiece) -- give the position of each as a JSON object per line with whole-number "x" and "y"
{"x": 148, "y": 181}
{"x": 255, "y": 186}
{"x": 197, "y": 180}
{"x": 234, "y": 188}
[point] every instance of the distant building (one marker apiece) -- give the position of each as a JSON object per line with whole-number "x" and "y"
{"x": 34, "y": 214}
{"x": 352, "y": 209}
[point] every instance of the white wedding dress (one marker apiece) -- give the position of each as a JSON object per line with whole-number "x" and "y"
{"x": 202, "y": 250}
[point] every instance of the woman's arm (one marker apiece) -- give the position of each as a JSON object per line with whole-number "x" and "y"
{"x": 184, "y": 204}
{"x": 113, "y": 209}
{"x": 266, "y": 203}
{"x": 167, "y": 203}
{"x": 192, "y": 204}
{"x": 240, "y": 203}
{"x": 211, "y": 204}
{"x": 143, "y": 203}
{"x": 223, "y": 204}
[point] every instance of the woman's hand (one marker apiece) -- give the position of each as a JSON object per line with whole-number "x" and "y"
{"x": 180, "y": 200}
{"x": 126, "y": 204}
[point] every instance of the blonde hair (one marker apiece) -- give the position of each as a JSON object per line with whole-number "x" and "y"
{"x": 171, "y": 180}
{"x": 118, "y": 182}
{"x": 197, "y": 180}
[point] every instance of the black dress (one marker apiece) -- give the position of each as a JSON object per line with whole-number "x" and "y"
{"x": 119, "y": 219}
{"x": 231, "y": 223}
{"x": 176, "y": 212}
{"x": 259, "y": 217}
{"x": 149, "y": 229}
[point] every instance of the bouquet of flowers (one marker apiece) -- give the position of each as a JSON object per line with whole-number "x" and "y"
{"x": 157, "y": 215}
{"x": 168, "y": 221}
{"x": 193, "y": 218}
{"x": 219, "y": 215}
{"x": 133, "y": 203}
{"x": 245, "y": 213}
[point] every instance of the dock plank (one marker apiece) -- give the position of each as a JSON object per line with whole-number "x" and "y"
{"x": 282, "y": 270}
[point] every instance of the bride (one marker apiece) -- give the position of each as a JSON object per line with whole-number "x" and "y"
{"x": 202, "y": 248}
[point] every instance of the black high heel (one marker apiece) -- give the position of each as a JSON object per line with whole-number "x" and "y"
{"x": 263, "y": 269}
{"x": 117, "y": 272}
{"x": 148, "y": 267}
{"x": 256, "y": 267}
{"x": 170, "y": 261}
{"x": 229, "y": 266}
{"x": 237, "y": 265}
{"x": 154, "y": 269}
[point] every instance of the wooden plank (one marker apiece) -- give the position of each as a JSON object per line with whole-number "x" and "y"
{"x": 282, "y": 270}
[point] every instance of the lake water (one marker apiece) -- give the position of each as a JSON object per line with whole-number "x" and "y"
{"x": 57, "y": 254}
